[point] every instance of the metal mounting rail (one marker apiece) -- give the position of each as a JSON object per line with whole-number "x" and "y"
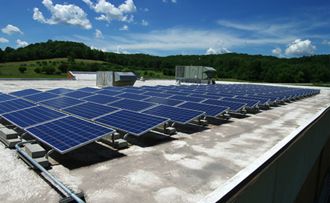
{"x": 55, "y": 181}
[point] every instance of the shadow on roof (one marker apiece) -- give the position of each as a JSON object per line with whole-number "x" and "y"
{"x": 90, "y": 154}
{"x": 150, "y": 139}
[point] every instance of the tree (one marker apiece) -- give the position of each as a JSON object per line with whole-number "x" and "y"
{"x": 48, "y": 70}
{"x": 22, "y": 69}
{"x": 63, "y": 67}
{"x": 37, "y": 70}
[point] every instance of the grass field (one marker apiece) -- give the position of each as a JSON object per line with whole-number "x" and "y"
{"x": 11, "y": 69}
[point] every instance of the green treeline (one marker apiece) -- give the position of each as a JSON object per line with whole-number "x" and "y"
{"x": 312, "y": 69}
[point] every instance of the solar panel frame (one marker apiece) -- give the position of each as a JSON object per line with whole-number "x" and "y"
{"x": 165, "y": 101}
{"x": 82, "y": 126}
{"x": 12, "y": 105}
{"x": 101, "y": 99}
{"x": 171, "y": 112}
{"x": 32, "y": 116}
{"x": 61, "y": 102}
{"x": 88, "y": 89}
{"x": 60, "y": 91}
{"x": 25, "y": 92}
{"x": 136, "y": 120}
{"x": 132, "y": 96}
{"x": 78, "y": 94}
{"x": 157, "y": 94}
{"x": 131, "y": 104}
{"x": 108, "y": 92}
{"x": 6, "y": 97}
{"x": 187, "y": 98}
{"x": 39, "y": 97}
{"x": 234, "y": 106}
{"x": 89, "y": 110}
{"x": 210, "y": 110}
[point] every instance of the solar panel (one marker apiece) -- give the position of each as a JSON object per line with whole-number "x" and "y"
{"x": 89, "y": 110}
{"x": 176, "y": 114}
{"x": 14, "y": 105}
{"x": 6, "y": 97}
{"x": 132, "y": 105}
{"x": 204, "y": 96}
{"x": 157, "y": 94}
{"x": 60, "y": 91}
{"x": 25, "y": 92}
{"x": 132, "y": 96}
{"x": 249, "y": 103}
{"x": 160, "y": 100}
{"x": 187, "y": 98}
{"x": 68, "y": 133}
{"x": 78, "y": 94}
{"x": 31, "y": 116}
{"x": 40, "y": 96}
{"x": 210, "y": 110}
{"x": 233, "y": 106}
{"x": 133, "y": 90}
{"x": 131, "y": 122}
{"x": 101, "y": 99}
{"x": 108, "y": 92}
{"x": 61, "y": 102}
{"x": 88, "y": 89}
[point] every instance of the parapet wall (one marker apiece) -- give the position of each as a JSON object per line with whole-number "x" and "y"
{"x": 293, "y": 171}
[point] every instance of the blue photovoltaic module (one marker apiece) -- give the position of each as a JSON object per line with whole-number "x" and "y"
{"x": 89, "y": 110}
{"x": 210, "y": 110}
{"x": 32, "y": 116}
{"x": 68, "y": 133}
{"x": 62, "y": 102}
{"x": 133, "y": 105}
{"x": 14, "y": 105}
{"x": 78, "y": 94}
{"x": 101, "y": 99}
{"x": 131, "y": 122}
{"x": 42, "y": 96}
{"x": 175, "y": 114}
{"x": 25, "y": 92}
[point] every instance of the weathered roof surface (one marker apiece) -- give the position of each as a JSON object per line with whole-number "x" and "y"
{"x": 182, "y": 168}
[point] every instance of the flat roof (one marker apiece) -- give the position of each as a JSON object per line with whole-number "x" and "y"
{"x": 183, "y": 168}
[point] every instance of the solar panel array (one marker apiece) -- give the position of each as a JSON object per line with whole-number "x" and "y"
{"x": 129, "y": 109}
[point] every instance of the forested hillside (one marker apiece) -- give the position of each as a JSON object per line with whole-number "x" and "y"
{"x": 234, "y": 66}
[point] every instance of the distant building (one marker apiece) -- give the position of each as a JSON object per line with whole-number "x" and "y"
{"x": 81, "y": 75}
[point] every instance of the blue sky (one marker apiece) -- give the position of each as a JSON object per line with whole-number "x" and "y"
{"x": 283, "y": 28}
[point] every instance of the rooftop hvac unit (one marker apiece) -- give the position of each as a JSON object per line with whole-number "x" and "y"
{"x": 110, "y": 78}
{"x": 195, "y": 74}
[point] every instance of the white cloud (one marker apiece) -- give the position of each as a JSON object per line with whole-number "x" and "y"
{"x": 109, "y": 12}
{"x": 326, "y": 42}
{"x": 144, "y": 23}
{"x": 178, "y": 40}
{"x": 277, "y": 52}
{"x": 3, "y": 40}
{"x": 212, "y": 51}
{"x": 124, "y": 28}
{"x": 98, "y": 34}
{"x": 172, "y": 1}
{"x": 11, "y": 29}
{"x": 63, "y": 13}
{"x": 21, "y": 43}
{"x": 121, "y": 51}
{"x": 300, "y": 48}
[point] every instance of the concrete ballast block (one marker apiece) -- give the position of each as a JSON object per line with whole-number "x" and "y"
{"x": 35, "y": 150}
{"x": 8, "y": 133}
